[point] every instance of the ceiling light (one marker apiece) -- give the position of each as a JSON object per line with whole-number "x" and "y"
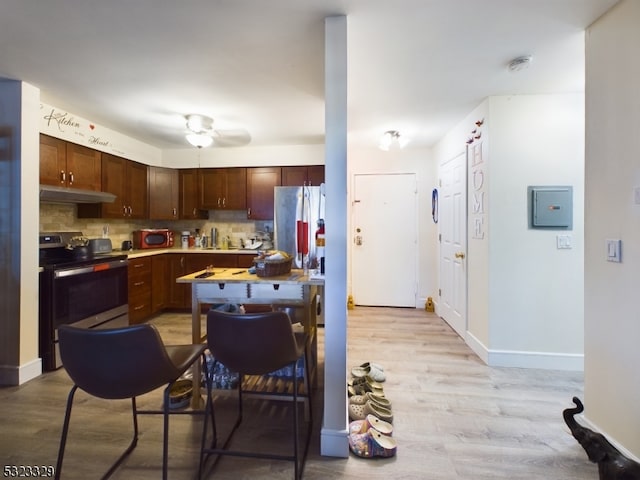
{"x": 199, "y": 140}
{"x": 520, "y": 63}
{"x": 200, "y": 129}
{"x": 391, "y": 140}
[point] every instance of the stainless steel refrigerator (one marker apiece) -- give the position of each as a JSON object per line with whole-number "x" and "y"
{"x": 296, "y": 221}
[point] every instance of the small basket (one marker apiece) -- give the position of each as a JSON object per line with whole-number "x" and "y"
{"x": 272, "y": 268}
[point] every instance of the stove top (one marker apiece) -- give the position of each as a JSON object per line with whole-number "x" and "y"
{"x": 55, "y": 254}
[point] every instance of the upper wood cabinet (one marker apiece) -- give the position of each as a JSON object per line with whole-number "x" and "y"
{"x": 189, "y": 195}
{"x": 302, "y": 175}
{"x": 223, "y": 188}
{"x": 66, "y": 164}
{"x": 128, "y": 181}
{"x": 163, "y": 193}
{"x": 260, "y": 183}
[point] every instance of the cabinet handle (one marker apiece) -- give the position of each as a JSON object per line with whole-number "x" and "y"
{"x": 70, "y": 178}
{"x": 224, "y": 202}
{"x": 219, "y": 200}
{"x": 182, "y": 262}
{"x": 138, "y": 284}
{"x": 138, "y": 265}
{"x": 249, "y": 212}
{"x": 124, "y": 210}
{"x": 194, "y": 211}
{"x": 129, "y": 210}
{"x": 175, "y": 212}
{"x": 139, "y": 307}
{"x": 63, "y": 176}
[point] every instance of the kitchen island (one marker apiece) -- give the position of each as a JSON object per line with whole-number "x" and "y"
{"x": 238, "y": 286}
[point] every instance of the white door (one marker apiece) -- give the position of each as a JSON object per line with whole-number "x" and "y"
{"x": 453, "y": 243}
{"x": 384, "y": 240}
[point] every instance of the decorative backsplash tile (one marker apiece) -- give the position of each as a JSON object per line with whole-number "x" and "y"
{"x": 232, "y": 223}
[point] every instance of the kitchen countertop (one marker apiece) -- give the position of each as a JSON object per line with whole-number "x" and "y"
{"x": 157, "y": 251}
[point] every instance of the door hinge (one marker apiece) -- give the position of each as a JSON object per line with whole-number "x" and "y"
{"x": 439, "y": 292}
{"x": 440, "y": 237}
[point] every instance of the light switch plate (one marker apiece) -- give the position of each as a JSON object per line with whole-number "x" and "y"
{"x": 614, "y": 250}
{"x": 563, "y": 241}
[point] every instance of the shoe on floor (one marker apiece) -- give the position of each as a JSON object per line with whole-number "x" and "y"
{"x": 372, "y": 444}
{"x": 360, "y": 412}
{"x": 369, "y": 396}
{"x": 369, "y": 369}
{"x": 370, "y": 421}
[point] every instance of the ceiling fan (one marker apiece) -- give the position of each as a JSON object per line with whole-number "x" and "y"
{"x": 201, "y": 134}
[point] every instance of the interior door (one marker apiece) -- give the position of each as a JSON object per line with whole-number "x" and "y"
{"x": 384, "y": 240}
{"x": 453, "y": 244}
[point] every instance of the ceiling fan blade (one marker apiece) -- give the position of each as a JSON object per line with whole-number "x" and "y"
{"x": 236, "y": 137}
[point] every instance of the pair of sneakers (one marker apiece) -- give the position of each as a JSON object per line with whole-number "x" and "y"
{"x": 371, "y": 438}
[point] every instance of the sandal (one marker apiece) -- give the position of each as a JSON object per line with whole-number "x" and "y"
{"x": 360, "y": 412}
{"x": 370, "y": 382}
{"x": 372, "y": 444}
{"x": 370, "y": 421}
{"x": 369, "y": 396}
{"x": 361, "y": 389}
{"x": 369, "y": 369}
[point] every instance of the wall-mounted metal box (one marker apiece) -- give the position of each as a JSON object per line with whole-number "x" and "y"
{"x": 551, "y": 207}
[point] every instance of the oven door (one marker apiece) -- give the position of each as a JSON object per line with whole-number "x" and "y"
{"x": 89, "y": 296}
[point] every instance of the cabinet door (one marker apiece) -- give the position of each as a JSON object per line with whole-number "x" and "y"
{"x": 235, "y": 188}
{"x": 159, "y": 283}
{"x": 114, "y": 175}
{"x": 260, "y": 183}
{"x": 178, "y": 294}
{"x": 139, "y": 289}
{"x": 294, "y": 176}
{"x": 163, "y": 193}
{"x": 137, "y": 190}
{"x": 84, "y": 166}
{"x": 211, "y": 186}
{"x": 189, "y": 208}
{"x": 302, "y": 175}
{"x": 53, "y": 161}
{"x": 315, "y": 175}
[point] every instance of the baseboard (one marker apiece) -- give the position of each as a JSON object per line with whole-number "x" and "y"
{"x": 519, "y": 359}
{"x": 334, "y": 443}
{"x": 17, "y": 375}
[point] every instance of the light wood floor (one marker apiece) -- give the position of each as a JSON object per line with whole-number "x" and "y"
{"x": 455, "y": 418}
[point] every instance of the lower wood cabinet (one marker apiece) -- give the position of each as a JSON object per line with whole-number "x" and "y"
{"x": 152, "y": 280}
{"x": 139, "y": 289}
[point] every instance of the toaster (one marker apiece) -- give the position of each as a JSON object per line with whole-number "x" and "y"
{"x": 100, "y": 245}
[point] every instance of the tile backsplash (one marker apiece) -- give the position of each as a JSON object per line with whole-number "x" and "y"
{"x": 232, "y": 224}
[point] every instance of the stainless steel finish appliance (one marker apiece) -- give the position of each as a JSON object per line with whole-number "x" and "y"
{"x": 297, "y": 211}
{"x": 87, "y": 292}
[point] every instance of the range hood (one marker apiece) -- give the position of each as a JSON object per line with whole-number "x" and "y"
{"x": 51, "y": 194}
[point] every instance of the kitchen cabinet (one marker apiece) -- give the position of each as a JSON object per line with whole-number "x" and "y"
{"x": 128, "y": 181}
{"x": 164, "y": 193}
{"x": 159, "y": 283}
{"x": 139, "y": 289}
{"x": 260, "y": 183}
{"x": 176, "y": 293}
{"x": 223, "y": 188}
{"x": 65, "y": 164}
{"x": 189, "y": 195}
{"x": 297, "y": 176}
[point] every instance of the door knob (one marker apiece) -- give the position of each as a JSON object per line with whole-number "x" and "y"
{"x": 459, "y": 255}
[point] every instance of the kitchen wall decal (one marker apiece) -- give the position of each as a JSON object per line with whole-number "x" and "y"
{"x": 62, "y": 124}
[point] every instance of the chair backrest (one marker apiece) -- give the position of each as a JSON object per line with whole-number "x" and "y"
{"x": 117, "y": 362}
{"x": 252, "y": 343}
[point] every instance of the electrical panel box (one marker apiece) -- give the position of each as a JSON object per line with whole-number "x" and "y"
{"x": 551, "y": 207}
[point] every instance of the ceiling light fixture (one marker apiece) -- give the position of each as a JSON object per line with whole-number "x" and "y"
{"x": 200, "y": 130}
{"x": 391, "y": 140}
{"x": 520, "y": 63}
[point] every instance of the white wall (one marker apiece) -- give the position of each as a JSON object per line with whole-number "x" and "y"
{"x": 536, "y": 290}
{"x": 525, "y": 297}
{"x": 420, "y": 162}
{"x": 612, "y": 323}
